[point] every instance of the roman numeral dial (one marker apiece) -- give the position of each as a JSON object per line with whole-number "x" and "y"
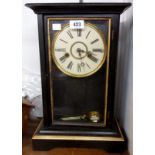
{"x": 79, "y": 32}
{"x": 60, "y": 49}
{"x": 97, "y": 50}
{"x": 94, "y": 41}
{"x": 70, "y": 34}
{"x": 78, "y": 67}
{"x": 70, "y": 65}
{"x": 79, "y": 52}
{"x": 64, "y": 57}
{"x": 93, "y": 58}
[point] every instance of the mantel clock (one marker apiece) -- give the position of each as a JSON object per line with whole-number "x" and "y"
{"x": 78, "y": 53}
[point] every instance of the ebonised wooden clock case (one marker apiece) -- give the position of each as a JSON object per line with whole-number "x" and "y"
{"x": 52, "y": 132}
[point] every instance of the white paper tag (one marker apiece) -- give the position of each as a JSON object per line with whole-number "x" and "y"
{"x": 56, "y": 26}
{"x": 76, "y": 24}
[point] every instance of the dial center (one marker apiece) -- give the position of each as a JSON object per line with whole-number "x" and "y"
{"x": 78, "y": 50}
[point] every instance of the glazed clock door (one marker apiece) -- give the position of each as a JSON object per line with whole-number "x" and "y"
{"x": 79, "y": 61}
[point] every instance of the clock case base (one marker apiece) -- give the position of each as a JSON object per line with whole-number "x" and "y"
{"x": 111, "y": 139}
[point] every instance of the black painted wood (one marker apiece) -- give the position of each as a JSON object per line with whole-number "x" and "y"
{"x": 113, "y": 65}
{"x": 110, "y": 146}
{"x": 78, "y": 10}
{"x": 44, "y": 73}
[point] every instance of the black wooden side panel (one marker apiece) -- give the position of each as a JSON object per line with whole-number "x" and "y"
{"x": 44, "y": 73}
{"x": 113, "y": 64}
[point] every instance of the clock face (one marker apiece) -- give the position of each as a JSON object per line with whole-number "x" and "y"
{"x": 79, "y": 52}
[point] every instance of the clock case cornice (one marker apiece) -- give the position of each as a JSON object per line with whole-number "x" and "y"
{"x": 73, "y": 8}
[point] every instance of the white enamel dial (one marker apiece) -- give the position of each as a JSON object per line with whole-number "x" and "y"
{"x": 79, "y": 53}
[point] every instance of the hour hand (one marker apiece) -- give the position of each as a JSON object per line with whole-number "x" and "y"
{"x": 80, "y": 51}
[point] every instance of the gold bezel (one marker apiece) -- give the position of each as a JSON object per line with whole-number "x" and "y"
{"x": 107, "y": 60}
{"x": 80, "y": 75}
